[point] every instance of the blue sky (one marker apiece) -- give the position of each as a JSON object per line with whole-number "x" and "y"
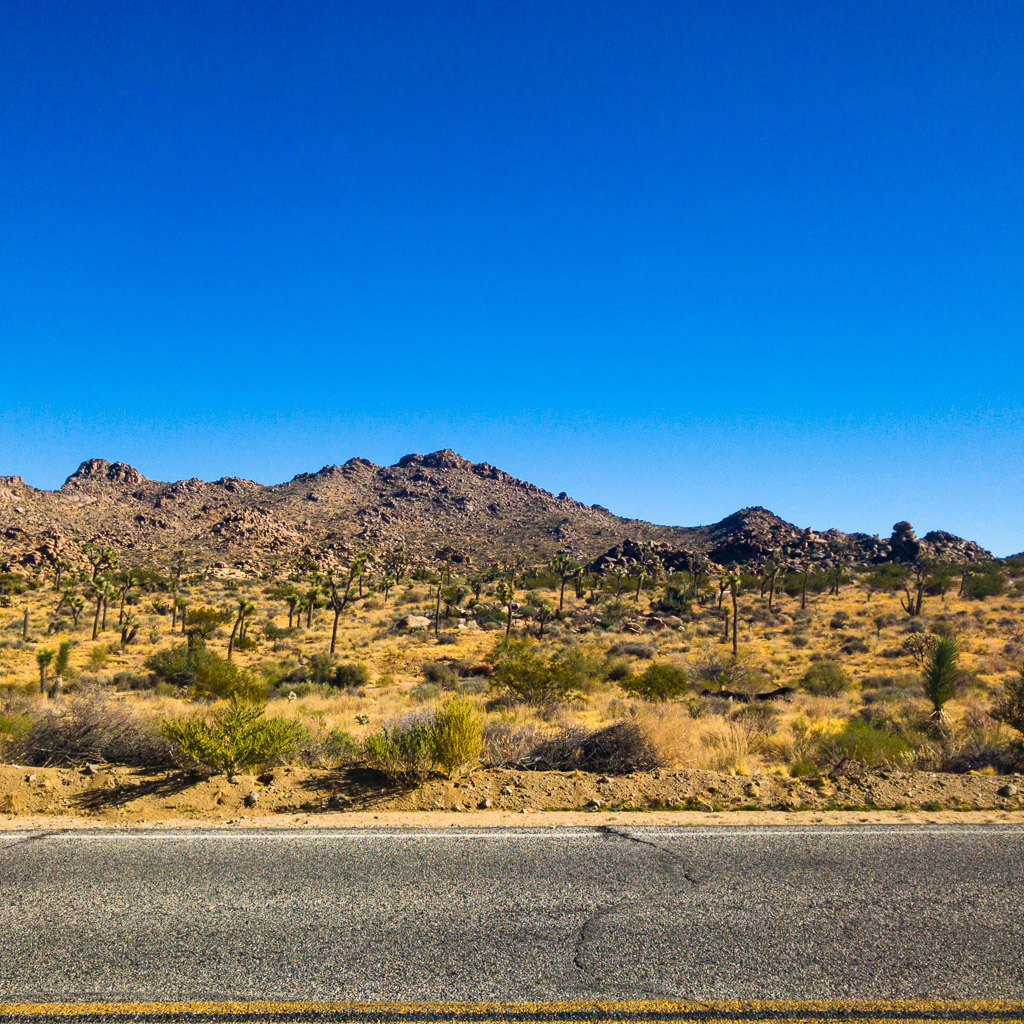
{"x": 675, "y": 258}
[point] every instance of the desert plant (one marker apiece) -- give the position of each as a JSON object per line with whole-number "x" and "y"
{"x": 234, "y": 737}
{"x": 617, "y": 749}
{"x": 1010, "y": 708}
{"x": 659, "y": 682}
{"x": 44, "y": 657}
{"x": 403, "y": 752}
{"x": 456, "y": 735}
{"x": 826, "y": 679}
{"x": 941, "y": 675}
{"x": 351, "y": 675}
{"x": 91, "y": 726}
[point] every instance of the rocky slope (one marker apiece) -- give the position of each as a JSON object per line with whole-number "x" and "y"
{"x": 422, "y": 503}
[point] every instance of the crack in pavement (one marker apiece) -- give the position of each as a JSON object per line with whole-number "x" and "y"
{"x": 585, "y": 929}
{"x": 694, "y": 878}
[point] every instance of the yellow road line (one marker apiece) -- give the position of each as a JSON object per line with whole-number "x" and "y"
{"x": 566, "y": 1012}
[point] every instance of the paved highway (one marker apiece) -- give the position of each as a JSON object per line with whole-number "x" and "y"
{"x": 795, "y": 913}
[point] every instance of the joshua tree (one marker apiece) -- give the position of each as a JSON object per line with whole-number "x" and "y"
{"x": 940, "y": 678}
{"x": 506, "y": 594}
{"x": 127, "y": 581}
{"x": 733, "y": 582}
{"x": 44, "y": 657}
{"x": 563, "y": 566}
{"x": 340, "y": 592}
{"x": 24, "y": 624}
{"x": 394, "y": 565}
{"x": 129, "y": 629}
{"x": 311, "y": 600}
{"x": 911, "y": 604}
{"x": 244, "y": 609}
{"x": 771, "y": 574}
{"x": 542, "y": 611}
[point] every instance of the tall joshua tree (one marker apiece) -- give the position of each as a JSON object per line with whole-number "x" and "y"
{"x": 244, "y": 609}
{"x": 732, "y": 580}
{"x": 339, "y": 592}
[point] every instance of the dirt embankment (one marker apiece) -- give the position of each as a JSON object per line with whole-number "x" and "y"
{"x": 112, "y": 793}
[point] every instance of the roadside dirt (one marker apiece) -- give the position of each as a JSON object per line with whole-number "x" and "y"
{"x": 110, "y": 794}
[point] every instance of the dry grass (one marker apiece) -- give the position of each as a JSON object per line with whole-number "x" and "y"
{"x": 775, "y": 650}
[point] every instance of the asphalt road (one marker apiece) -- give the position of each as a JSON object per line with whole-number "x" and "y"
{"x": 895, "y": 912}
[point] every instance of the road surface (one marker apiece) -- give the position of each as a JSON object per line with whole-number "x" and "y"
{"x": 577, "y": 916}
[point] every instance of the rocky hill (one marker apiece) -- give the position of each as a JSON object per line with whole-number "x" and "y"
{"x": 422, "y": 503}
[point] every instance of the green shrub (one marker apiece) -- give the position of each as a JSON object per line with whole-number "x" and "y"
{"x": 990, "y": 582}
{"x": 1010, "y": 708}
{"x": 234, "y": 738}
{"x": 438, "y": 673}
{"x": 866, "y": 743}
{"x": 425, "y": 691}
{"x": 826, "y": 679}
{"x": 351, "y": 675}
{"x": 616, "y": 670}
{"x": 456, "y": 735}
{"x": 204, "y": 672}
{"x": 659, "y": 682}
{"x": 523, "y": 670}
{"x": 403, "y": 753}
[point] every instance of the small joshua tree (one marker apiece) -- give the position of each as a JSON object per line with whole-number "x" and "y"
{"x": 44, "y": 658}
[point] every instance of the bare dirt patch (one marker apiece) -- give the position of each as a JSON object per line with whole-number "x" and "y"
{"x": 111, "y": 793}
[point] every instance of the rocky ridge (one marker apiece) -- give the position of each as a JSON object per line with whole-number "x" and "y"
{"x": 421, "y": 503}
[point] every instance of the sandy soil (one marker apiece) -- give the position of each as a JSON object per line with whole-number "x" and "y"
{"x": 107, "y": 795}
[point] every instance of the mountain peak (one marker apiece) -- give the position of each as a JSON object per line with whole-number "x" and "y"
{"x": 108, "y": 472}
{"x": 445, "y": 458}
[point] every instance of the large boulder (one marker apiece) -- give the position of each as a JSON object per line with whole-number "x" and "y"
{"x": 411, "y": 622}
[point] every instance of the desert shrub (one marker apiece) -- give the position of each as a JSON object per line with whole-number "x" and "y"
{"x": 13, "y": 726}
{"x": 634, "y": 649}
{"x": 839, "y": 620}
{"x": 855, "y": 646}
{"x": 826, "y": 679}
{"x": 866, "y": 743}
{"x": 731, "y": 749}
{"x": 425, "y": 691}
{"x": 92, "y": 727}
{"x": 505, "y": 743}
{"x": 528, "y": 676}
{"x": 660, "y": 681}
{"x": 245, "y": 643}
{"x": 799, "y": 640}
{"x": 99, "y": 656}
{"x": 672, "y": 602}
{"x": 616, "y": 670}
{"x": 402, "y": 753}
{"x": 350, "y": 675}
{"x": 204, "y": 672}
{"x": 438, "y": 673}
{"x": 321, "y": 668}
{"x": 990, "y": 582}
{"x": 1009, "y": 709}
{"x": 611, "y": 614}
{"x": 233, "y": 738}
{"x": 474, "y": 685}
{"x": 456, "y": 735}
{"x": 616, "y": 749}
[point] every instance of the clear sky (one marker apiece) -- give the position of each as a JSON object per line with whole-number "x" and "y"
{"x": 672, "y": 257}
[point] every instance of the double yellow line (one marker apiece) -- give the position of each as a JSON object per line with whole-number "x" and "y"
{"x": 569, "y": 1012}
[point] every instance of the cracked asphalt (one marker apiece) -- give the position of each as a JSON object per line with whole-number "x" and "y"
{"x": 893, "y": 912}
